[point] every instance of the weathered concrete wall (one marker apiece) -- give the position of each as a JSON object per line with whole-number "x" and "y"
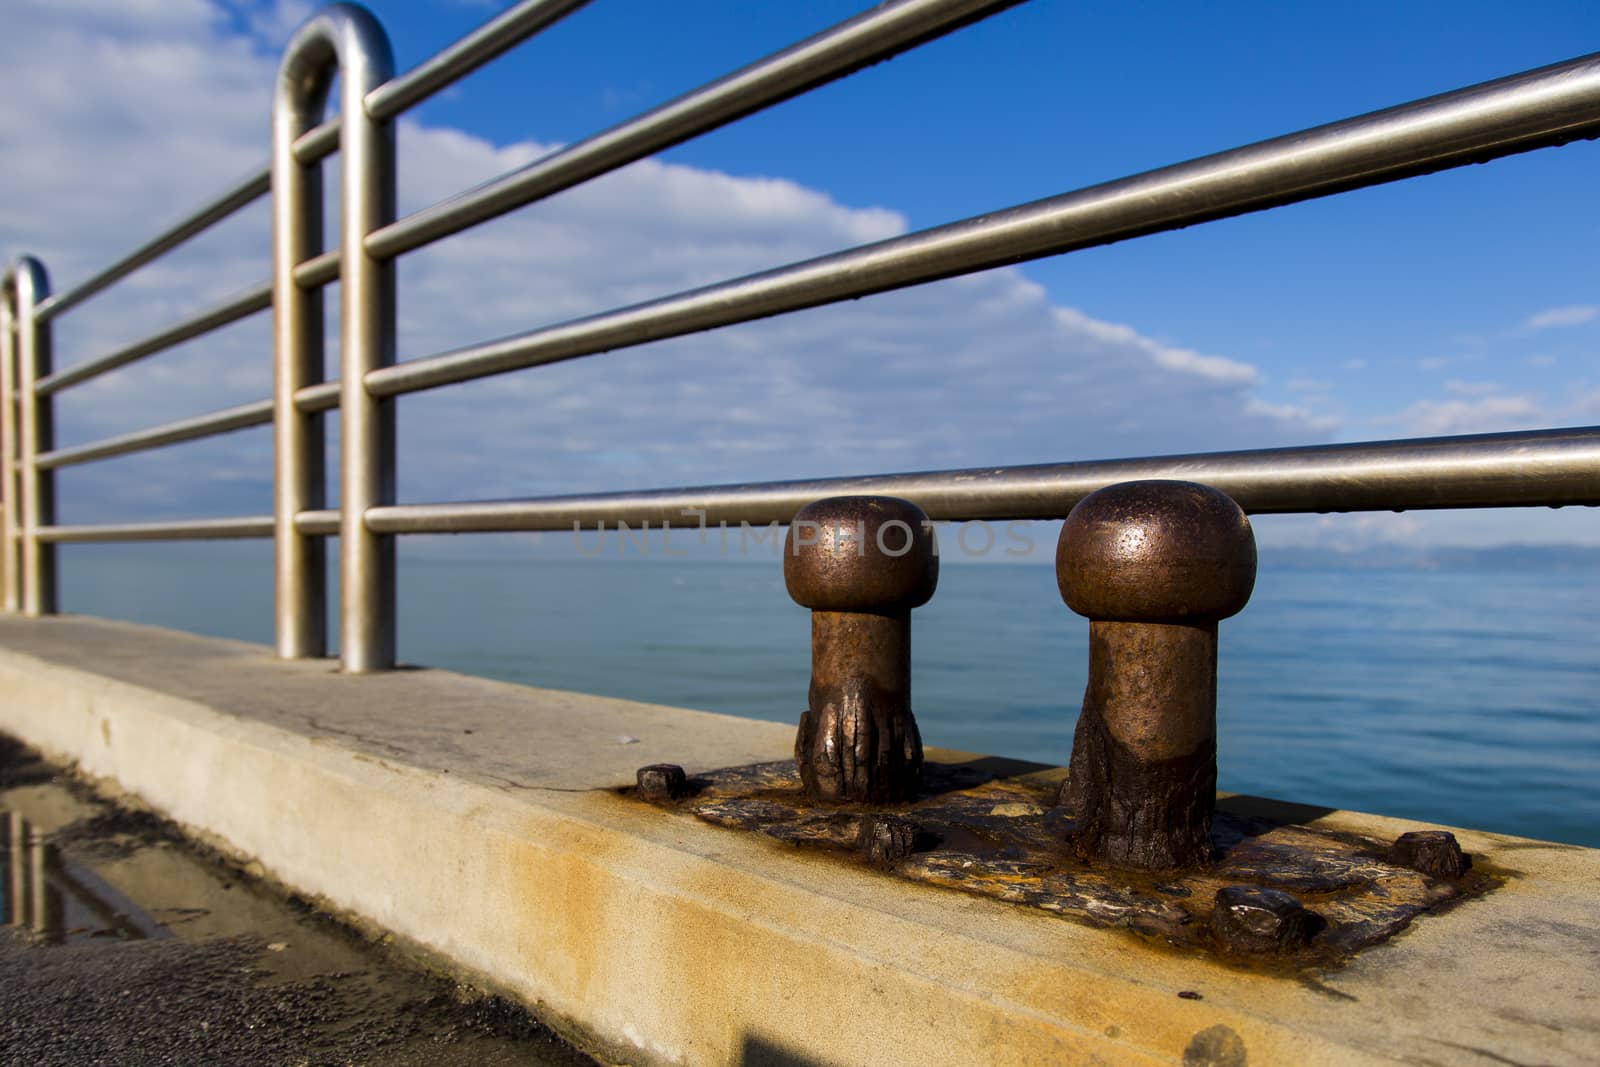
{"x": 474, "y": 818}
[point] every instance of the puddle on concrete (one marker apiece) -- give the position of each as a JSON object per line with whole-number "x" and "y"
{"x": 60, "y": 902}
{"x": 121, "y": 943}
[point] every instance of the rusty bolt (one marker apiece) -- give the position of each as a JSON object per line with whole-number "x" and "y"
{"x": 1154, "y": 565}
{"x": 1248, "y": 920}
{"x": 662, "y": 781}
{"x": 1435, "y": 853}
{"x": 860, "y": 563}
{"x": 883, "y": 839}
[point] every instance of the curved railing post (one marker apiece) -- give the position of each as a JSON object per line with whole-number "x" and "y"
{"x": 346, "y": 40}
{"x": 31, "y": 489}
{"x": 299, "y": 475}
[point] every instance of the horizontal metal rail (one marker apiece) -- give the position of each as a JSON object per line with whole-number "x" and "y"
{"x": 831, "y": 55}
{"x": 321, "y": 523}
{"x": 241, "y": 195}
{"x": 456, "y": 61}
{"x": 318, "y": 271}
{"x": 405, "y": 91}
{"x": 323, "y": 397}
{"x": 480, "y": 46}
{"x": 218, "y": 422}
{"x": 1535, "y": 468}
{"x": 1549, "y": 106}
{"x": 318, "y": 142}
{"x": 868, "y": 38}
{"x": 232, "y": 529}
{"x": 239, "y": 306}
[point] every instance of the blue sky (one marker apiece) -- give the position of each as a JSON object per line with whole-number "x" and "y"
{"x": 1455, "y": 303}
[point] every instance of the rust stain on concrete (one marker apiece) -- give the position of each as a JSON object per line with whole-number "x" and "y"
{"x": 980, "y": 830}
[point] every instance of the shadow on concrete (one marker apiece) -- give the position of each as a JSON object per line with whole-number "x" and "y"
{"x": 759, "y": 1051}
{"x": 941, "y": 778}
{"x": 1239, "y": 817}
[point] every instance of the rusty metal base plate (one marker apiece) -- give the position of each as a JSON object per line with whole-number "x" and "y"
{"x": 982, "y": 830}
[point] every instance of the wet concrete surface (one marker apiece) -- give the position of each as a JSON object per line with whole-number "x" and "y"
{"x": 124, "y": 944}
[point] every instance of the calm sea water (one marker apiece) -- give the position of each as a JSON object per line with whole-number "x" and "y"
{"x": 1466, "y": 697}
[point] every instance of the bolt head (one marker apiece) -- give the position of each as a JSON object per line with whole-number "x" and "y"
{"x": 860, "y": 553}
{"x": 662, "y": 781}
{"x": 1154, "y": 551}
{"x": 1250, "y": 920}
{"x": 884, "y": 839}
{"x": 1435, "y": 853}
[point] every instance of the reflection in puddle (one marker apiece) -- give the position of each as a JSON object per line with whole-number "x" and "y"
{"x": 190, "y": 961}
{"x": 59, "y": 901}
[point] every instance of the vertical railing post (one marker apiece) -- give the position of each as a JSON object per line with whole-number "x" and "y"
{"x": 299, "y": 444}
{"x": 347, "y": 40}
{"x": 29, "y": 285}
{"x": 10, "y": 571}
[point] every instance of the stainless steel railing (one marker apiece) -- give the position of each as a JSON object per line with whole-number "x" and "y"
{"x": 1540, "y": 108}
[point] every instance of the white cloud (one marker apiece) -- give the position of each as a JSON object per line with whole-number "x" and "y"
{"x": 1291, "y": 414}
{"x": 1216, "y": 368}
{"x": 1457, "y": 387}
{"x": 1574, "y": 315}
{"x": 1468, "y": 407}
{"x": 272, "y": 22}
{"x": 1587, "y": 405}
{"x": 166, "y": 107}
{"x": 1484, "y": 414}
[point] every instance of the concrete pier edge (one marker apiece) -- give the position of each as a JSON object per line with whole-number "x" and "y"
{"x": 475, "y": 819}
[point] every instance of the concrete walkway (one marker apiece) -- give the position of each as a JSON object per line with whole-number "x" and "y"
{"x": 478, "y": 820}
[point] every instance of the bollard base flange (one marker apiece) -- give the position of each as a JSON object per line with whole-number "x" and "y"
{"x": 992, "y": 828}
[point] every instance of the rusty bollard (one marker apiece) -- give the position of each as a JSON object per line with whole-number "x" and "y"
{"x": 1153, "y": 565}
{"x": 860, "y": 563}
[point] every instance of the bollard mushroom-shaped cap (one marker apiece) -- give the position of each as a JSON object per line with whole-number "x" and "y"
{"x": 1156, "y": 550}
{"x": 860, "y": 553}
